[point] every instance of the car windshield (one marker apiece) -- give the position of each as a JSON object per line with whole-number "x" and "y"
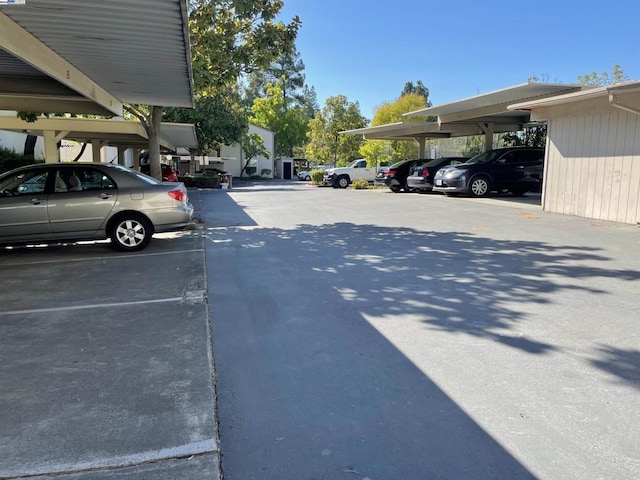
{"x": 484, "y": 157}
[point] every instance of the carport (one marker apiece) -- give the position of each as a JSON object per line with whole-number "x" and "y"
{"x": 592, "y": 159}
{"x": 485, "y": 114}
{"x": 76, "y": 57}
{"x": 122, "y": 134}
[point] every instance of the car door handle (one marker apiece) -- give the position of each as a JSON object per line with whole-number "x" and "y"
{"x": 36, "y": 201}
{"x": 104, "y": 196}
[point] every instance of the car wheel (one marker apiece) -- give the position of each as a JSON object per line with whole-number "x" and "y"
{"x": 479, "y": 186}
{"x": 307, "y": 178}
{"x": 343, "y": 181}
{"x": 130, "y": 233}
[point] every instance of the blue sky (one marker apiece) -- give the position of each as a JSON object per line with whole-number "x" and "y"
{"x": 368, "y": 50}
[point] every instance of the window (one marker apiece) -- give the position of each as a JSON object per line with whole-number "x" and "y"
{"x": 84, "y": 179}
{"x": 24, "y": 183}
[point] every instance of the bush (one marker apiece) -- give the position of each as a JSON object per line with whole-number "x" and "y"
{"x": 360, "y": 184}
{"x": 316, "y": 176}
{"x": 9, "y": 160}
{"x": 201, "y": 181}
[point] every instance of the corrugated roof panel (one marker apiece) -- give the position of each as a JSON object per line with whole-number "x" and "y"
{"x": 136, "y": 50}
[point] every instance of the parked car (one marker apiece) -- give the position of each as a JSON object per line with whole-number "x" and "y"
{"x": 395, "y": 177}
{"x": 77, "y": 201}
{"x": 342, "y": 177}
{"x": 516, "y": 169}
{"x": 423, "y": 172}
{"x": 168, "y": 173}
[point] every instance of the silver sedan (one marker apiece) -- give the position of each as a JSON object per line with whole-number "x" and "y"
{"x": 89, "y": 201}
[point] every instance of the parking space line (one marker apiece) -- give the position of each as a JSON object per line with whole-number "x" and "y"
{"x": 85, "y": 307}
{"x": 106, "y": 257}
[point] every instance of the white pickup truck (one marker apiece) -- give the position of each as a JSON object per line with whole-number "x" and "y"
{"x": 342, "y": 177}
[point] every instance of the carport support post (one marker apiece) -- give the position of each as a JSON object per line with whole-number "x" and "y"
{"x": 95, "y": 148}
{"x": 136, "y": 159}
{"x": 51, "y": 150}
{"x": 121, "y": 151}
{"x": 488, "y": 129}
{"x": 421, "y": 143}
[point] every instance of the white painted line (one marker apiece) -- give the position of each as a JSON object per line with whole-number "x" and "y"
{"x": 181, "y": 451}
{"x": 111, "y": 257}
{"x": 85, "y": 307}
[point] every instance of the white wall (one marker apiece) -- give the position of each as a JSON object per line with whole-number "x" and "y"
{"x": 232, "y": 154}
{"x": 592, "y": 165}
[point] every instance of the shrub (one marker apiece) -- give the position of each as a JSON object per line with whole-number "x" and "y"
{"x": 201, "y": 181}
{"x": 9, "y": 160}
{"x": 316, "y": 176}
{"x": 360, "y": 184}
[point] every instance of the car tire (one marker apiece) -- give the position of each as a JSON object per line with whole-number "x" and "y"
{"x": 130, "y": 232}
{"x": 479, "y": 186}
{"x": 307, "y": 178}
{"x": 342, "y": 181}
{"x": 395, "y": 188}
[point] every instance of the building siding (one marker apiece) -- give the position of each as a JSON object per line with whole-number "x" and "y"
{"x": 593, "y": 166}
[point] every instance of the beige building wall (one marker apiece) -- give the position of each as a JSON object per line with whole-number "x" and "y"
{"x": 593, "y": 164}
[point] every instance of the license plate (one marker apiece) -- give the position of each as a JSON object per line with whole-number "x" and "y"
{"x": 438, "y": 183}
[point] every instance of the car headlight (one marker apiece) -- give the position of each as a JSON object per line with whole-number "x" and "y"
{"x": 456, "y": 173}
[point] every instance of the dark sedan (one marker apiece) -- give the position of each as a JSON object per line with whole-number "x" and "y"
{"x": 88, "y": 201}
{"x": 422, "y": 173}
{"x": 396, "y": 176}
{"x": 516, "y": 169}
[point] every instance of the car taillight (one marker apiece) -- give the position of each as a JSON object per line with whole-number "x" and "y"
{"x": 178, "y": 195}
{"x": 391, "y": 172}
{"x": 425, "y": 172}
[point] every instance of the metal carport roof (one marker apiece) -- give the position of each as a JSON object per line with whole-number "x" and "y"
{"x": 484, "y": 114}
{"x": 78, "y": 56}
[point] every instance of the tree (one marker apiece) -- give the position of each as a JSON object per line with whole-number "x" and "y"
{"x": 287, "y": 71}
{"x": 599, "y": 80}
{"x": 219, "y": 119}
{"x": 229, "y": 38}
{"x": 391, "y": 112}
{"x": 234, "y": 37}
{"x": 252, "y": 147}
{"x": 418, "y": 89}
{"x": 534, "y": 136}
{"x": 288, "y": 124}
{"x": 325, "y": 142}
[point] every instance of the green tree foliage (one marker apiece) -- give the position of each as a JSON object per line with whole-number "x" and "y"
{"x": 234, "y": 37}
{"x": 288, "y": 124}
{"x": 386, "y": 152}
{"x": 417, "y": 89}
{"x": 229, "y": 38}
{"x": 534, "y": 136}
{"x": 617, "y": 75}
{"x": 325, "y": 142}
{"x": 219, "y": 119}
{"x": 252, "y": 147}
{"x": 287, "y": 71}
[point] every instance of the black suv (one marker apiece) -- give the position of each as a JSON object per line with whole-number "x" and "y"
{"x": 516, "y": 169}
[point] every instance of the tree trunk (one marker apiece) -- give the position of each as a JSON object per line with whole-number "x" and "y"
{"x": 154, "y": 142}
{"x": 30, "y": 146}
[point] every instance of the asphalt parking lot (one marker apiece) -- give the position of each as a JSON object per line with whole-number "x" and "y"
{"x": 366, "y": 334}
{"x": 105, "y": 362}
{"x": 356, "y": 334}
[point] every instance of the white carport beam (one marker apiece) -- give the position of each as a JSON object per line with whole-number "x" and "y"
{"x": 96, "y": 146}
{"x": 21, "y": 44}
{"x": 614, "y": 100}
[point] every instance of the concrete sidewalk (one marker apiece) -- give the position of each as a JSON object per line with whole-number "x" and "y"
{"x": 106, "y": 366}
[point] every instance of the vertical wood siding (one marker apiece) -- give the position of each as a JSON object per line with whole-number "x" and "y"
{"x": 593, "y": 166}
